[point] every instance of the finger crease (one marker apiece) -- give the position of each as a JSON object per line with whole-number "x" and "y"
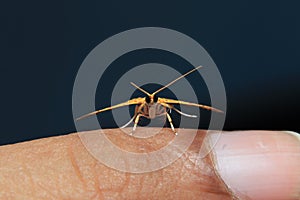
{"x": 76, "y": 167}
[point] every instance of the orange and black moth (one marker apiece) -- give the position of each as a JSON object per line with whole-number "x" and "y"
{"x": 153, "y": 106}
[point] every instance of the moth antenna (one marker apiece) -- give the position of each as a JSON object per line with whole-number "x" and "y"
{"x": 137, "y": 87}
{"x": 180, "y": 77}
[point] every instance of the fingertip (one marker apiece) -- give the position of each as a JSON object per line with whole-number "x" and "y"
{"x": 293, "y": 134}
{"x": 259, "y": 164}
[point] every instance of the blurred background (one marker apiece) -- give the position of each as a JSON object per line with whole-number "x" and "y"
{"x": 255, "y": 44}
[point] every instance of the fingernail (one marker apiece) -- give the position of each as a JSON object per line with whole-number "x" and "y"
{"x": 258, "y": 164}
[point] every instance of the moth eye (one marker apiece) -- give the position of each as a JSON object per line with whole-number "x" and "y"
{"x": 148, "y": 100}
{"x": 155, "y": 98}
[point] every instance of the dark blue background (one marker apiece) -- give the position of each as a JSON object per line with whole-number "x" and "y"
{"x": 42, "y": 45}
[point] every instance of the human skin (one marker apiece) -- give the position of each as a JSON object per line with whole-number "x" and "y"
{"x": 243, "y": 164}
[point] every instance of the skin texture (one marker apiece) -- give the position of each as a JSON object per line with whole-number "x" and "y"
{"x": 62, "y": 168}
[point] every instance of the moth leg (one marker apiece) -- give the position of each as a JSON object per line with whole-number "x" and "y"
{"x": 182, "y": 113}
{"x": 137, "y": 110}
{"x": 136, "y": 121}
{"x": 171, "y": 124}
{"x": 131, "y": 120}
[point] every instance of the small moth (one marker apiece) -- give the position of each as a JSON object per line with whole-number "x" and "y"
{"x": 153, "y": 106}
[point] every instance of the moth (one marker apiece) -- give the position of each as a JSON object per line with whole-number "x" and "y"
{"x": 153, "y": 106}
